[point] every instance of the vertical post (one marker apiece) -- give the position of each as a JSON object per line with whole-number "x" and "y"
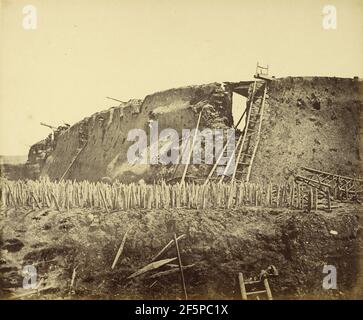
{"x": 278, "y": 196}
{"x": 298, "y": 196}
{"x": 180, "y": 267}
{"x": 268, "y": 290}
{"x": 346, "y": 191}
{"x": 316, "y": 199}
{"x": 311, "y": 199}
{"x": 242, "y": 286}
{"x": 336, "y": 189}
{"x": 328, "y": 198}
{"x": 103, "y": 200}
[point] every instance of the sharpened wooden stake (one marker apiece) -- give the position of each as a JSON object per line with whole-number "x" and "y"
{"x": 36, "y": 200}
{"x": 55, "y": 201}
{"x": 104, "y": 200}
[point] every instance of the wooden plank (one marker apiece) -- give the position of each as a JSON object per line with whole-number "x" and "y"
{"x": 331, "y": 174}
{"x": 268, "y": 289}
{"x": 121, "y": 248}
{"x": 151, "y": 266}
{"x": 256, "y": 292}
{"x": 180, "y": 268}
{"x": 242, "y": 286}
{"x": 171, "y": 271}
{"x": 167, "y": 247}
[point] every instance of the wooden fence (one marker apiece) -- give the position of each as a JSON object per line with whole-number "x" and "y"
{"x": 68, "y": 194}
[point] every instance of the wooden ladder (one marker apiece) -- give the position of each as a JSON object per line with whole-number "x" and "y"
{"x": 245, "y": 294}
{"x": 248, "y": 142}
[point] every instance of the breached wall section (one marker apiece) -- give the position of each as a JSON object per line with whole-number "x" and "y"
{"x": 308, "y": 121}
{"x": 105, "y": 154}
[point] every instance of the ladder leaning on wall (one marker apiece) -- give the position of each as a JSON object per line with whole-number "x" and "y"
{"x": 248, "y": 141}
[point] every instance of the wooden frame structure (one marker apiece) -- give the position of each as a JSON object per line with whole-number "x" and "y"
{"x": 245, "y": 293}
{"x": 340, "y": 187}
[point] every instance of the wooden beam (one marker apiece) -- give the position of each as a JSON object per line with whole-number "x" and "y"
{"x": 180, "y": 268}
{"x": 192, "y": 148}
{"x": 242, "y": 286}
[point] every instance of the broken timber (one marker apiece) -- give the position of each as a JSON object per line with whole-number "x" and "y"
{"x": 151, "y": 266}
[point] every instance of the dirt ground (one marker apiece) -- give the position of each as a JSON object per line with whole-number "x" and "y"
{"x": 219, "y": 243}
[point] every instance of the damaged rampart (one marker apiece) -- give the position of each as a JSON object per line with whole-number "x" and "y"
{"x": 311, "y": 122}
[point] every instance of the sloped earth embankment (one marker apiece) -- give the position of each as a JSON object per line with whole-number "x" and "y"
{"x": 219, "y": 243}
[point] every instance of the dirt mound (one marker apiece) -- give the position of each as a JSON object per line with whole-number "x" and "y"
{"x": 219, "y": 244}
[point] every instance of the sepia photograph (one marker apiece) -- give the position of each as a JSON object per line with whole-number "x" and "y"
{"x": 181, "y": 151}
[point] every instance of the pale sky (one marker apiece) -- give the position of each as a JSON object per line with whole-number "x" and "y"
{"x": 83, "y": 51}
